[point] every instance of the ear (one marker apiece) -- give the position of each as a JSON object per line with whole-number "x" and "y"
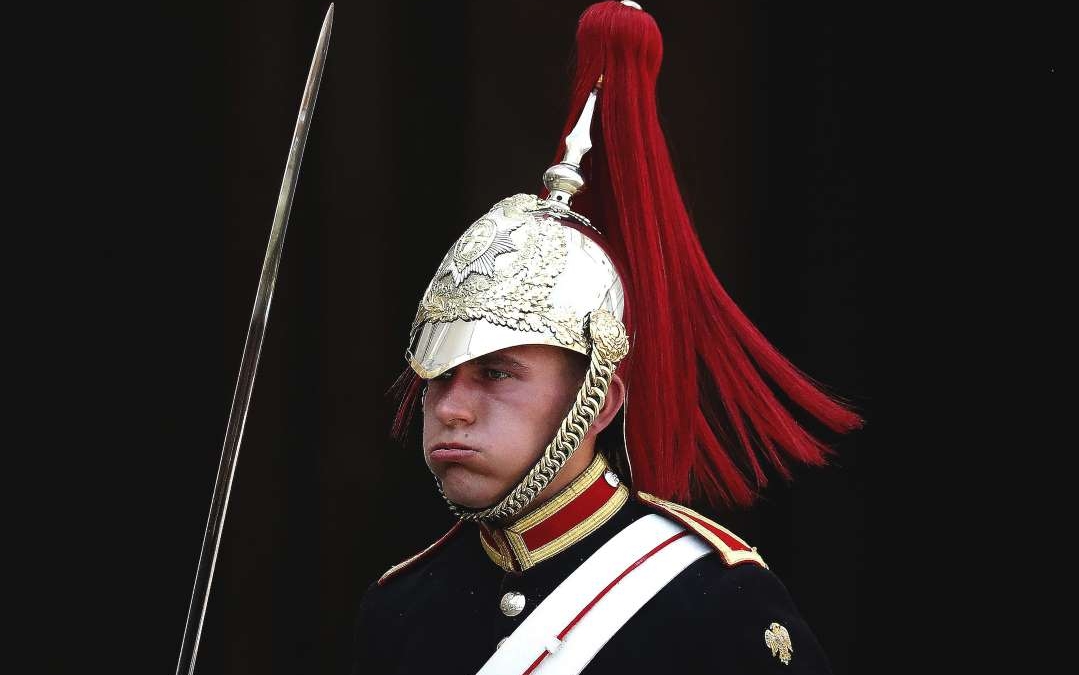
{"x": 616, "y": 396}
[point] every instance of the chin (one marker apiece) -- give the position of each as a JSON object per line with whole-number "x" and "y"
{"x": 464, "y": 491}
{"x": 469, "y": 499}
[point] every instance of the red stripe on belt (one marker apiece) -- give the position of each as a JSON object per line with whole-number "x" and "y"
{"x": 592, "y": 603}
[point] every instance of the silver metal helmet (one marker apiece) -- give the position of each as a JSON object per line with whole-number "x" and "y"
{"x": 524, "y": 274}
{"x": 517, "y": 276}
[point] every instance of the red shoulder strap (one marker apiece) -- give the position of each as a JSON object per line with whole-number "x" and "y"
{"x": 730, "y": 547}
{"x": 405, "y": 564}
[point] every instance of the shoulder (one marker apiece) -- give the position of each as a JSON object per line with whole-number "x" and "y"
{"x": 731, "y": 548}
{"x": 426, "y": 553}
{"x": 750, "y": 616}
{"x": 730, "y": 601}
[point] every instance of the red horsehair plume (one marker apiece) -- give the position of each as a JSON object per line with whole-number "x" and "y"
{"x": 687, "y": 330}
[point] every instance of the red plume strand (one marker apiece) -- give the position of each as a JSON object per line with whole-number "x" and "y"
{"x": 407, "y": 390}
{"x": 684, "y": 325}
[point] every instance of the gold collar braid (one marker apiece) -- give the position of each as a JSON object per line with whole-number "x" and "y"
{"x": 608, "y": 345}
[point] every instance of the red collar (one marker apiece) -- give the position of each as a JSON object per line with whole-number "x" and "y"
{"x": 571, "y": 515}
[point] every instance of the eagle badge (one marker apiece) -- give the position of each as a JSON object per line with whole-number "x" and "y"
{"x": 779, "y": 641}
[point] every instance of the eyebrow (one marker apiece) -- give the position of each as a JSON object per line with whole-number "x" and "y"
{"x": 502, "y": 361}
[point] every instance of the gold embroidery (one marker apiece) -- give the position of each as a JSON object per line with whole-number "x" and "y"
{"x": 686, "y": 517}
{"x": 779, "y": 641}
{"x": 498, "y": 556}
{"x": 528, "y": 558}
{"x": 514, "y": 533}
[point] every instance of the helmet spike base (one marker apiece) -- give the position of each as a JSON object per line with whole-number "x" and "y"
{"x": 564, "y": 180}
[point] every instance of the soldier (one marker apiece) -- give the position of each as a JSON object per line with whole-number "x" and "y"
{"x": 580, "y": 371}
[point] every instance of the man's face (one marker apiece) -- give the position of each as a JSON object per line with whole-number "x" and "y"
{"x": 486, "y": 422}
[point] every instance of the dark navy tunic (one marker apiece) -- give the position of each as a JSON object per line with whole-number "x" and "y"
{"x": 441, "y": 614}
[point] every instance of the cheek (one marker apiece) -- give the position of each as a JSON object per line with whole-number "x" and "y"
{"x": 514, "y": 423}
{"x": 554, "y": 401}
{"x": 535, "y": 416}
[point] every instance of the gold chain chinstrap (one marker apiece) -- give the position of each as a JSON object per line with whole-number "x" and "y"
{"x": 609, "y": 344}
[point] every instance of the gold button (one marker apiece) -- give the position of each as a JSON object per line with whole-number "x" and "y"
{"x": 513, "y": 603}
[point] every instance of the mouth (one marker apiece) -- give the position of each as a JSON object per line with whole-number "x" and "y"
{"x": 451, "y": 452}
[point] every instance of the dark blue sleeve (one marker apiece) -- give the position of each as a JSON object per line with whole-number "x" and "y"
{"x": 752, "y": 608}
{"x": 369, "y": 636}
{"x": 713, "y": 619}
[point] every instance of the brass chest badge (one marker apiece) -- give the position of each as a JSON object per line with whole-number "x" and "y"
{"x": 779, "y": 641}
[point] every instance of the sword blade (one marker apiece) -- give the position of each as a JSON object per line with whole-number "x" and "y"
{"x": 256, "y": 330}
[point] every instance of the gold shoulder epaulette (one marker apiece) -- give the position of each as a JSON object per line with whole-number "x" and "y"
{"x": 405, "y": 564}
{"x": 730, "y": 547}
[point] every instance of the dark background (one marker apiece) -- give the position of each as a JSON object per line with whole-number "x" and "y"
{"x": 799, "y": 131}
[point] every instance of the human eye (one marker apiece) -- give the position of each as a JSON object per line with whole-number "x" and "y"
{"x": 444, "y": 376}
{"x": 494, "y": 374}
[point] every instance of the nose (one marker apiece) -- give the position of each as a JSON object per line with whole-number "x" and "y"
{"x": 452, "y": 401}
